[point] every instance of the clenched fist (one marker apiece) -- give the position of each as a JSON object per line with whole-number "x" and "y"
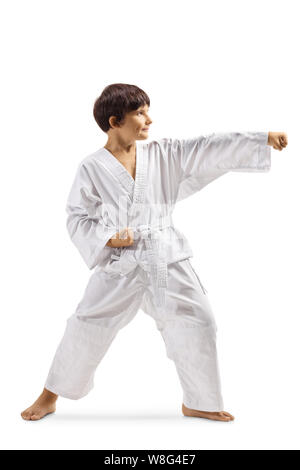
{"x": 278, "y": 140}
{"x": 123, "y": 238}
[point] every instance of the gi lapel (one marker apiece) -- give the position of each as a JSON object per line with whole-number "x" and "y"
{"x": 123, "y": 259}
{"x": 135, "y": 188}
{"x": 113, "y": 165}
{"x": 141, "y": 178}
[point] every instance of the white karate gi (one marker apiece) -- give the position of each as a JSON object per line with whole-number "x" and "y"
{"x": 155, "y": 273}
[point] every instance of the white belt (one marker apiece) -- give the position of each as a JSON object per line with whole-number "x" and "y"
{"x": 155, "y": 258}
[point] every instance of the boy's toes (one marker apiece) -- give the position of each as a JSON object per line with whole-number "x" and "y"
{"x": 35, "y": 417}
{"x": 227, "y": 415}
{"x": 25, "y": 415}
{"x": 223, "y": 417}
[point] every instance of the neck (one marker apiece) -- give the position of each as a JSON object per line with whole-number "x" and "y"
{"x": 120, "y": 147}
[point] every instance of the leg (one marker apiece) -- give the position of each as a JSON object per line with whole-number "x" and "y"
{"x": 108, "y": 304}
{"x": 189, "y": 332}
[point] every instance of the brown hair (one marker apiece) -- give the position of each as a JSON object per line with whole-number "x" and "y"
{"x": 117, "y": 100}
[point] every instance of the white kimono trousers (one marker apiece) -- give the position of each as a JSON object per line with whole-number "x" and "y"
{"x": 155, "y": 273}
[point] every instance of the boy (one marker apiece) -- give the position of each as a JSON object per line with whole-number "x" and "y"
{"x": 119, "y": 217}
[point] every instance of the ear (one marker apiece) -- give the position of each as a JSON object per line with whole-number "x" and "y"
{"x": 112, "y": 121}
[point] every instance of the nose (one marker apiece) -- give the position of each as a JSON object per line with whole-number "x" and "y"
{"x": 149, "y": 120}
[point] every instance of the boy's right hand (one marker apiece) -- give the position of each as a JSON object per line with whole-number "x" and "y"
{"x": 123, "y": 238}
{"x": 278, "y": 140}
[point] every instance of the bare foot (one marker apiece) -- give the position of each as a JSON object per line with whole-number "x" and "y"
{"x": 45, "y": 404}
{"x": 216, "y": 415}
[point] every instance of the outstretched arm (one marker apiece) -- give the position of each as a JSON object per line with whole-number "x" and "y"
{"x": 202, "y": 159}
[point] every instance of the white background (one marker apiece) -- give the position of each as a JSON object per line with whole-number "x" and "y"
{"x": 207, "y": 67}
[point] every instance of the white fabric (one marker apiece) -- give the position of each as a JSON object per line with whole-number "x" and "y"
{"x": 104, "y": 199}
{"x": 110, "y": 301}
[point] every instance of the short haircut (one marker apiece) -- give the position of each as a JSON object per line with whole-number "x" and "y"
{"x": 117, "y": 100}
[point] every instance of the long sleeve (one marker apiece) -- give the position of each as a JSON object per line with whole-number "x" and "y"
{"x": 203, "y": 159}
{"x": 86, "y": 219}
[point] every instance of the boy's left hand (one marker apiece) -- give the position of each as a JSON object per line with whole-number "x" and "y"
{"x": 278, "y": 140}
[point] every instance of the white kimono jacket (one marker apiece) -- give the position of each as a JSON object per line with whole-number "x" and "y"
{"x": 104, "y": 198}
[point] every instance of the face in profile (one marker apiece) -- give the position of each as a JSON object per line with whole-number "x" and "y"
{"x": 136, "y": 124}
